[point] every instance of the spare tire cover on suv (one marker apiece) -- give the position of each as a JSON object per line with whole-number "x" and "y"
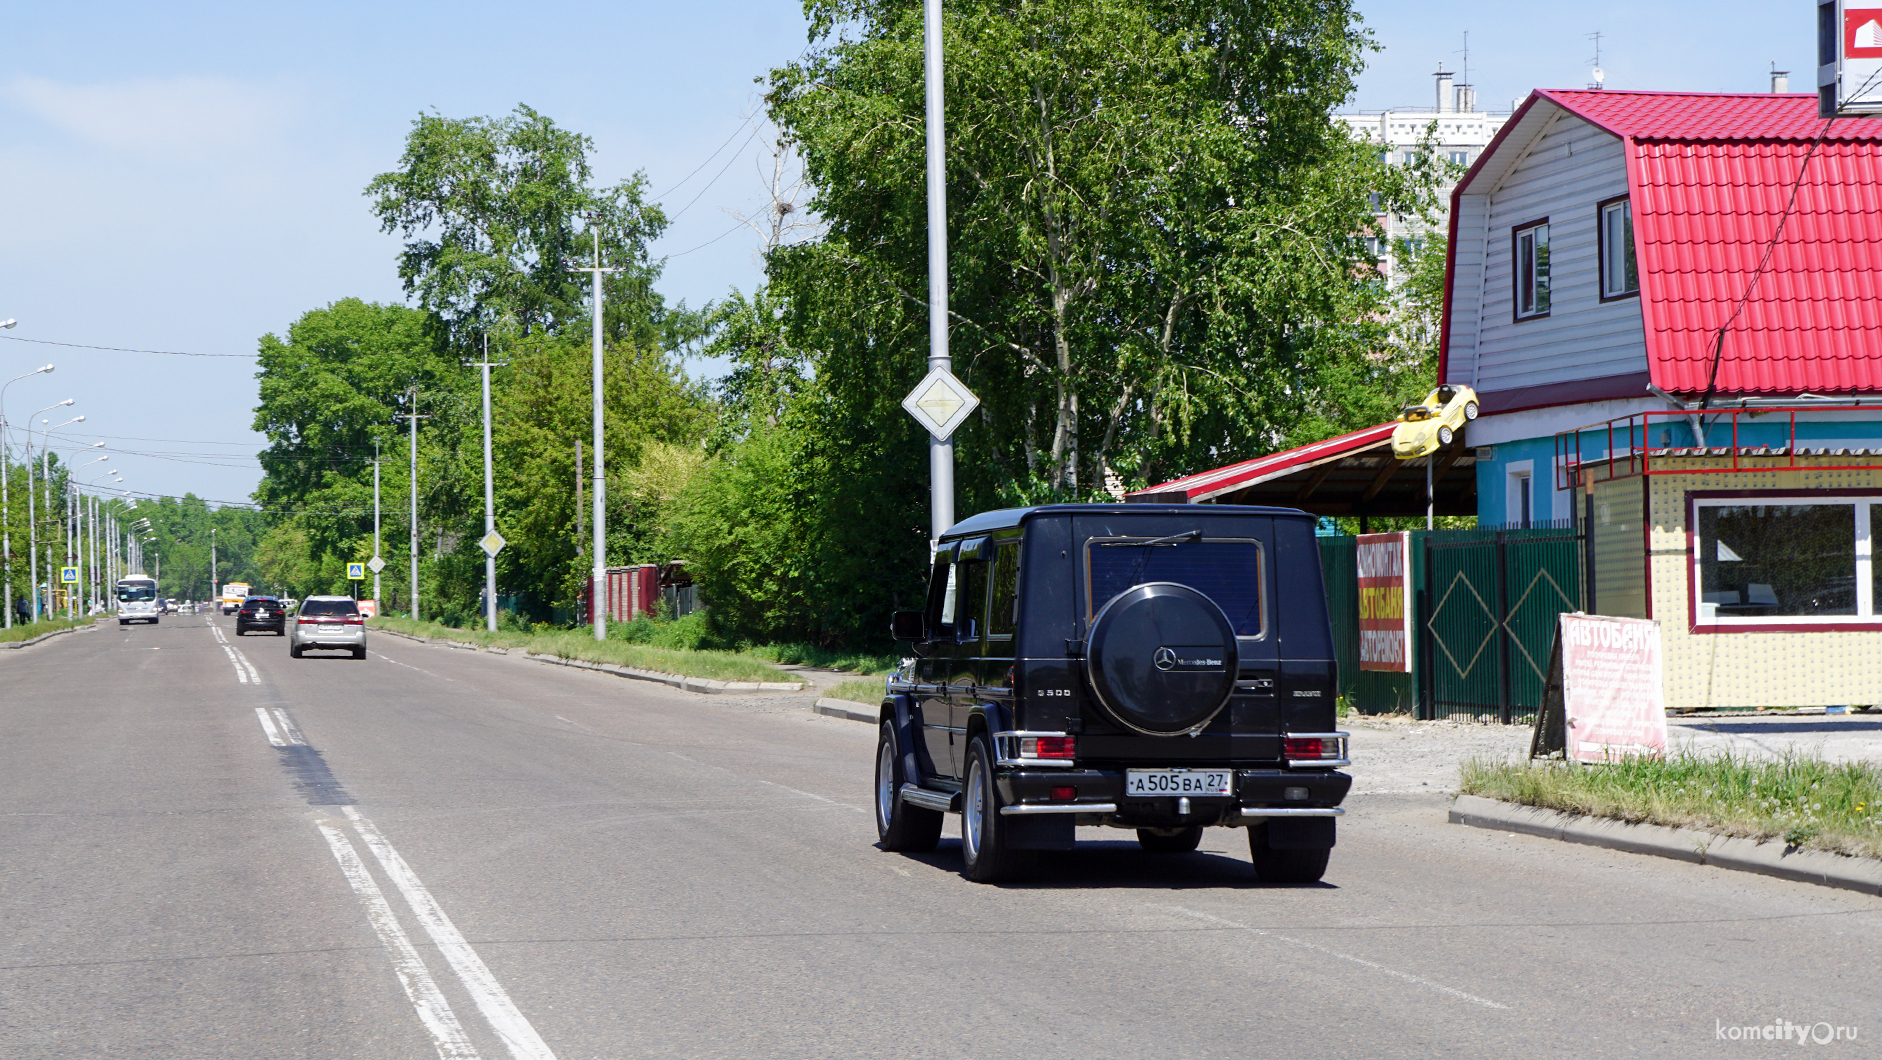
{"x": 1161, "y": 658}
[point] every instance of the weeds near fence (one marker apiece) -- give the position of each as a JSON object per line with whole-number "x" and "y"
{"x": 1801, "y": 799}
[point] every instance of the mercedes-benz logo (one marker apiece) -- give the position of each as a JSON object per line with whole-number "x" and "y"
{"x": 1165, "y": 659}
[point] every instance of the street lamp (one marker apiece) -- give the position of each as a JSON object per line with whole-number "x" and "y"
{"x": 32, "y": 513}
{"x": 6, "y": 495}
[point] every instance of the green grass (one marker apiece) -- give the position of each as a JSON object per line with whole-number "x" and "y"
{"x": 825, "y": 658}
{"x": 34, "y": 629}
{"x": 1798, "y": 798}
{"x": 865, "y": 690}
{"x": 582, "y": 645}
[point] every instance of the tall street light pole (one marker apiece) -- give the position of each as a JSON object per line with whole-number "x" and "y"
{"x": 412, "y": 417}
{"x": 598, "y": 594}
{"x": 6, "y": 495}
{"x": 378, "y": 602}
{"x": 491, "y": 543}
{"x": 940, "y": 450}
{"x": 32, "y": 506}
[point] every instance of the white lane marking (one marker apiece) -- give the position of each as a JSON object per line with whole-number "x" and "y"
{"x": 577, "y": 724}
{"x": 395, "y": 662}
{"x": 253, "y": 674}
{"x": 220, "y": 639}
{"x": 772, "y": 783}
{"x": 433, "y": 1010}
{"x": 240, "y": 675}
{"x": 268, "y": 729}
{"x": 1393, "y": 972}
{"x": 509, "y": 1023}
{"x": 288, "y": 728}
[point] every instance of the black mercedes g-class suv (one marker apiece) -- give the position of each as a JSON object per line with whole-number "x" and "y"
{"x": 1156, "y": 667}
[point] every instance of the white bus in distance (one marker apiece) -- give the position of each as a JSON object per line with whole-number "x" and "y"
{"x": 137, "y": 600}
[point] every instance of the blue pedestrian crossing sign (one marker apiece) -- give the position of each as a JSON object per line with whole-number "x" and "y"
{"x": 68, "y": 575}
{"x": 356, "y": 571}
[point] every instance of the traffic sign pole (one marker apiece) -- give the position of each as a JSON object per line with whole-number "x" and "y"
{"x": 940, "y": 446}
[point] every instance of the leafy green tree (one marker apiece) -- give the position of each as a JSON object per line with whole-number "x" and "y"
{"x": 1157, "y": 235}
{"x": 496, "y": 212}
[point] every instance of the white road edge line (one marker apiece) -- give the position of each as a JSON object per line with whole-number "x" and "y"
{"x": 1394, "y": 973}
{"x": 233, "y": 661}
{"x": 509, "y": 1023}
{"x": 433, "y": 1010}
{"x": 253, "y": 674}
{"x": 268, "y": 729}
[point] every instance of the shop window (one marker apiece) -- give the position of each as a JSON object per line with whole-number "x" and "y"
{"x": 1531, "y": 259}
{"x": 1783, "y": 559}
{"x": 1620, "y": 276}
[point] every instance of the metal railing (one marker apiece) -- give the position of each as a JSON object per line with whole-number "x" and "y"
{"x": 1626, "y": 446}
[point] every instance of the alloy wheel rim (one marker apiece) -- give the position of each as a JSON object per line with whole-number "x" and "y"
{"x": 885, "y": 784}
{"x": 972, "y": 811}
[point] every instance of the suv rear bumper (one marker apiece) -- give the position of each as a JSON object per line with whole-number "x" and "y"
{"x": 1260, "y": 794}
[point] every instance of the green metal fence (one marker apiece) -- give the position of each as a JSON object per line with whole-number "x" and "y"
{"x": 1487, "y": 602}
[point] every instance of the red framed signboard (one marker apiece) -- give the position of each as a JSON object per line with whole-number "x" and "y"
{"x": 1612, "y": 691}
{"x": 1385, "y": 602}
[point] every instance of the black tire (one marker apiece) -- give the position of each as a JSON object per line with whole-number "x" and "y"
{"x": 986, "y": 857}
{"x": 900, "y": 826}
{"x": 1182, "y": 842}
{"x": 1470, "y": 410}
{"x": 359, "y": 653}
{"x": 1445, "y": 435}
{"x": 241, "y": 632}
{"x": 294, "y": 651}
{"x": 1285, "y": 866}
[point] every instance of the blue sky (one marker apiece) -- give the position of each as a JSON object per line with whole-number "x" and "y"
{"x": 188, "y": 176}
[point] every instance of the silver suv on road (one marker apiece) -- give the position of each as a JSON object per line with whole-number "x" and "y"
{"x": 328, "y": 622}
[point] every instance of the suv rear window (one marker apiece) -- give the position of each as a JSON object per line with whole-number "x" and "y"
{"x": 1226, "y": 570}
{"x": 259, "y": 601}
{"x": 329, "y": 607}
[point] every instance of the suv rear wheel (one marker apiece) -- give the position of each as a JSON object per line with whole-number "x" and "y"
{"x": 899, "y": 825}
{"x": 983, "y": 831}
{"x": 1284, "y": 866}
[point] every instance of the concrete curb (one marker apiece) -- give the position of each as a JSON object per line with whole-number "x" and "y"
{"x": 843, "y": 708}
{"x": 684, "y": 684}
{"x": 1681, "y": 844}
{"x": 45, "y": 636}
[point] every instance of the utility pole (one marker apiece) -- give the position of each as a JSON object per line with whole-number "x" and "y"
{"x": 412, "y": 417}
{"x": 598, "y": 595}
{"x": 490, "y": 503}
{"x": 940, "y": 450}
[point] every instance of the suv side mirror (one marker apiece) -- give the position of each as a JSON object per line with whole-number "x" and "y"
{"x": 908, "y": 625}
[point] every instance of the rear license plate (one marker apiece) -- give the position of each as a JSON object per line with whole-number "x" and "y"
{"x": 324, "y": 628}
{"x": 1151, "y": 782}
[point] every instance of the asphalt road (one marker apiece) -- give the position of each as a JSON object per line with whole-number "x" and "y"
{"x": 208, "y": 849}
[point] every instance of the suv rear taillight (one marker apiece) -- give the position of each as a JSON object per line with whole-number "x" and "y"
{"x": 1046, "y": 746}
{"x": 355, "y": 620}
{"x": 1323, "y": 748}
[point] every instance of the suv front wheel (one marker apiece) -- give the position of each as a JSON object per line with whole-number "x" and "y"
{"x": 899, "y": 825}
{"x": 983, "y": 831}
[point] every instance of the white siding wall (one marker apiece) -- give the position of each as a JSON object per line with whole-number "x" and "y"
{"x": 1569, "y": 168}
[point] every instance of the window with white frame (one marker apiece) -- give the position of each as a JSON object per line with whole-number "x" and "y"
{"x": 1531, "y": 259}
{"x": 1460, "y": 158}
{"x": 1784, "y": 559}
{"x": 1620, "y": 276}
{"x": 1519, "y": 496}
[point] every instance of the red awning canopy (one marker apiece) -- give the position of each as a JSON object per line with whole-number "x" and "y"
{"x": 1353, "y": 474}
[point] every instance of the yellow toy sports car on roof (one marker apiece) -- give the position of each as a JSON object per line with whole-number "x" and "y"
{"x": 1426, "y": 428}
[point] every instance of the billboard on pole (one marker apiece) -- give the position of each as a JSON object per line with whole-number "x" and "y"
{"x": 1849, "y": 58}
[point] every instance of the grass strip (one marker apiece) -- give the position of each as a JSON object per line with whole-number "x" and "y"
{"x": 33, "y": 629}
{"x": 581, "y": 645}
{"x": 824, "y": 658}
{"x": 1800, "y": 798}
{"x": 864, "y": 690}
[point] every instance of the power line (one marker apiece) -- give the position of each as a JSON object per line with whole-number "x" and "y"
{"x": 711, "y": 241}
{"x": 702, "y": 165}
{"x": 721, "y": 173}
{"x": 122, "y": 349}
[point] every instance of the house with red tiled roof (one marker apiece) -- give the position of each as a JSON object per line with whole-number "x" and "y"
{"x": 1670, "y": 307}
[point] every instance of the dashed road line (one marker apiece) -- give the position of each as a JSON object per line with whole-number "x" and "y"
{"x": 1393, "y": 972}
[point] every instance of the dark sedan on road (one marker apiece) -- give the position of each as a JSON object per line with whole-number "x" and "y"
{"x": 262, "y": 612}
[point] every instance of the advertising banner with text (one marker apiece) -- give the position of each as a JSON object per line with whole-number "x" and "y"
{"x": 1611, "y": 688}
{"x": 1385, "y": 602}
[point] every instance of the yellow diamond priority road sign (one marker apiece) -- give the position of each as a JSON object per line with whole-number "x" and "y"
{"x": 492, "y": 544}
{"x": 940, "y": 403}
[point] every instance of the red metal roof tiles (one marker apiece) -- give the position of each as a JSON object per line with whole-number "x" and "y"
{"x": 1206, "y": 484}
{"x": 1710, "y": 177}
